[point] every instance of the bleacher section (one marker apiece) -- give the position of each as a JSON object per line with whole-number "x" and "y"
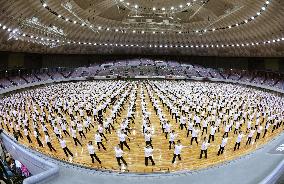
{"x": 147, "y": 67}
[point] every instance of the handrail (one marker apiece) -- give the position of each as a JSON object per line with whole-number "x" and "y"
{"x": 274, "y": 175}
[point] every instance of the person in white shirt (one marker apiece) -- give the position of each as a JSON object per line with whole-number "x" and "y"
{"x": 149, "y": 154}
{"x": 44, "y": 128}
{"x": 74, "y": 136}
{"x": 274, "y": 123}
{"x": 167, "y": 127}
{"x": 190, "y": 127}
{"x": 212, "y": 132}
{"x": 266, "y": 129}
{"x": 122, "y": 139}
{"x": 204, "y": 126}
{"x": 80, "y": 130}
{"x": 258, "y": 132}
{"x": 172, "y": 139}
{"x": 63, "y": 127}
{"x": 237, "y": 127}
{"x": 194, "y": 135}
{"x": 98, "y": 139}
{"x": 64, "y": 147}
{"x": 86, "y": 126}
{"x": 106, "y": 125}
{"x": 18, "y": 131}
{"x": 56, "y": 131}
{"x": 92, "y": 153}
{"x": 204, "y": 148}
{"x": 101, "y": 131}
{"x": 37, "y": 139}
{"x": 239, "y": 139}
{"x": 148, "y": 138}
{"x": 227, "y": 129}
{"x": 26, "y": 133}
{"x": 223, "y": 144}
{"x": 48, "y": 143}
{"x": 279, "y": 122}
{"x": 248, "y": 126}
{"x": 250, "y": 135}
{"x": 119, "y": 155}
{"x": 144, "y": 124}
{"x": 182, "y": 122}
{"x": 197, "y": 121}
{"x": 177, "y": 151}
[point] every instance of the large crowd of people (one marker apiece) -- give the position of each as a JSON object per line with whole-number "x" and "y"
{"x": 89, "y": 114}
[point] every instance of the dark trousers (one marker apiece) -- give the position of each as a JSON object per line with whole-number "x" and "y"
{"x": 211, "y": 136}
{"x": 204, "y": 128}
{"x": 174, "y": 158}
{"x": 201, "y": 153}
{"x": 81, "y": 133}
{"x": 146, "y": 160}
{"x": 171, "y": 143}
{"x": 265, "y": 131}
{"x": 87, "y": 129}
{"x": 50, "y": 147}
{"x": 274, "y": 128}
{"x": 29, "y": 139}
{"x": 257, "y": 136}
{"x": 99, "y": 144}
{"x": 103, "y": 135}
{"x": 248, "y": 141}
{"x": 125, "y": 144}
{"x": 66, "y": 151}
{"x": 66, "y": 133}
{"x": 181, "y": 126}
{"x": 76, "y": 141}
{"x": 221, "y": 150}
{"x": 188, "y": 132}
{"x": 107, "y": 130}
{"x": 237, "y": 145}
{"x": 192, "y": 139}
{"x": 149, "y": 143}
{"x": 166, "y": 134}
{"x": 121, "y": 159}
{"x": 20, "y": 135}
{"x": 94, "y": 156}
{"x": 39, "y": 142}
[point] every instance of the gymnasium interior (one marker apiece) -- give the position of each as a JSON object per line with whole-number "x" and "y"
{"x": 140, "y": 91}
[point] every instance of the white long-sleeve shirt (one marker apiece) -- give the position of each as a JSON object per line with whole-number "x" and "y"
{"x": 118, "y": 152}
{"x": 91, "y": 149}
{"x": 148, "y": 152}
{"x": 172, "y": 137}
{"x": 204, "y": 145}
{"x": 178, "y": 149}
{"x": 224, "y": 142}
{"x": 98, "y": 138}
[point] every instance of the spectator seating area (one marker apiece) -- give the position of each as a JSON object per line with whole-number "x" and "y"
{"x": 145, "y": 67}
{"x": 11, "y": 171}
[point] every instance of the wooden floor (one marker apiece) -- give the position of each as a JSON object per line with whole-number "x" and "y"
{"x": 162, "y": 154}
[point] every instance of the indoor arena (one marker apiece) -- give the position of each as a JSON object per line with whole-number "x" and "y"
{"x": 140, "y": 91}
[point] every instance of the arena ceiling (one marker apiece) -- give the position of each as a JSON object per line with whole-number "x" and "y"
{"x": 191, "y": 27}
